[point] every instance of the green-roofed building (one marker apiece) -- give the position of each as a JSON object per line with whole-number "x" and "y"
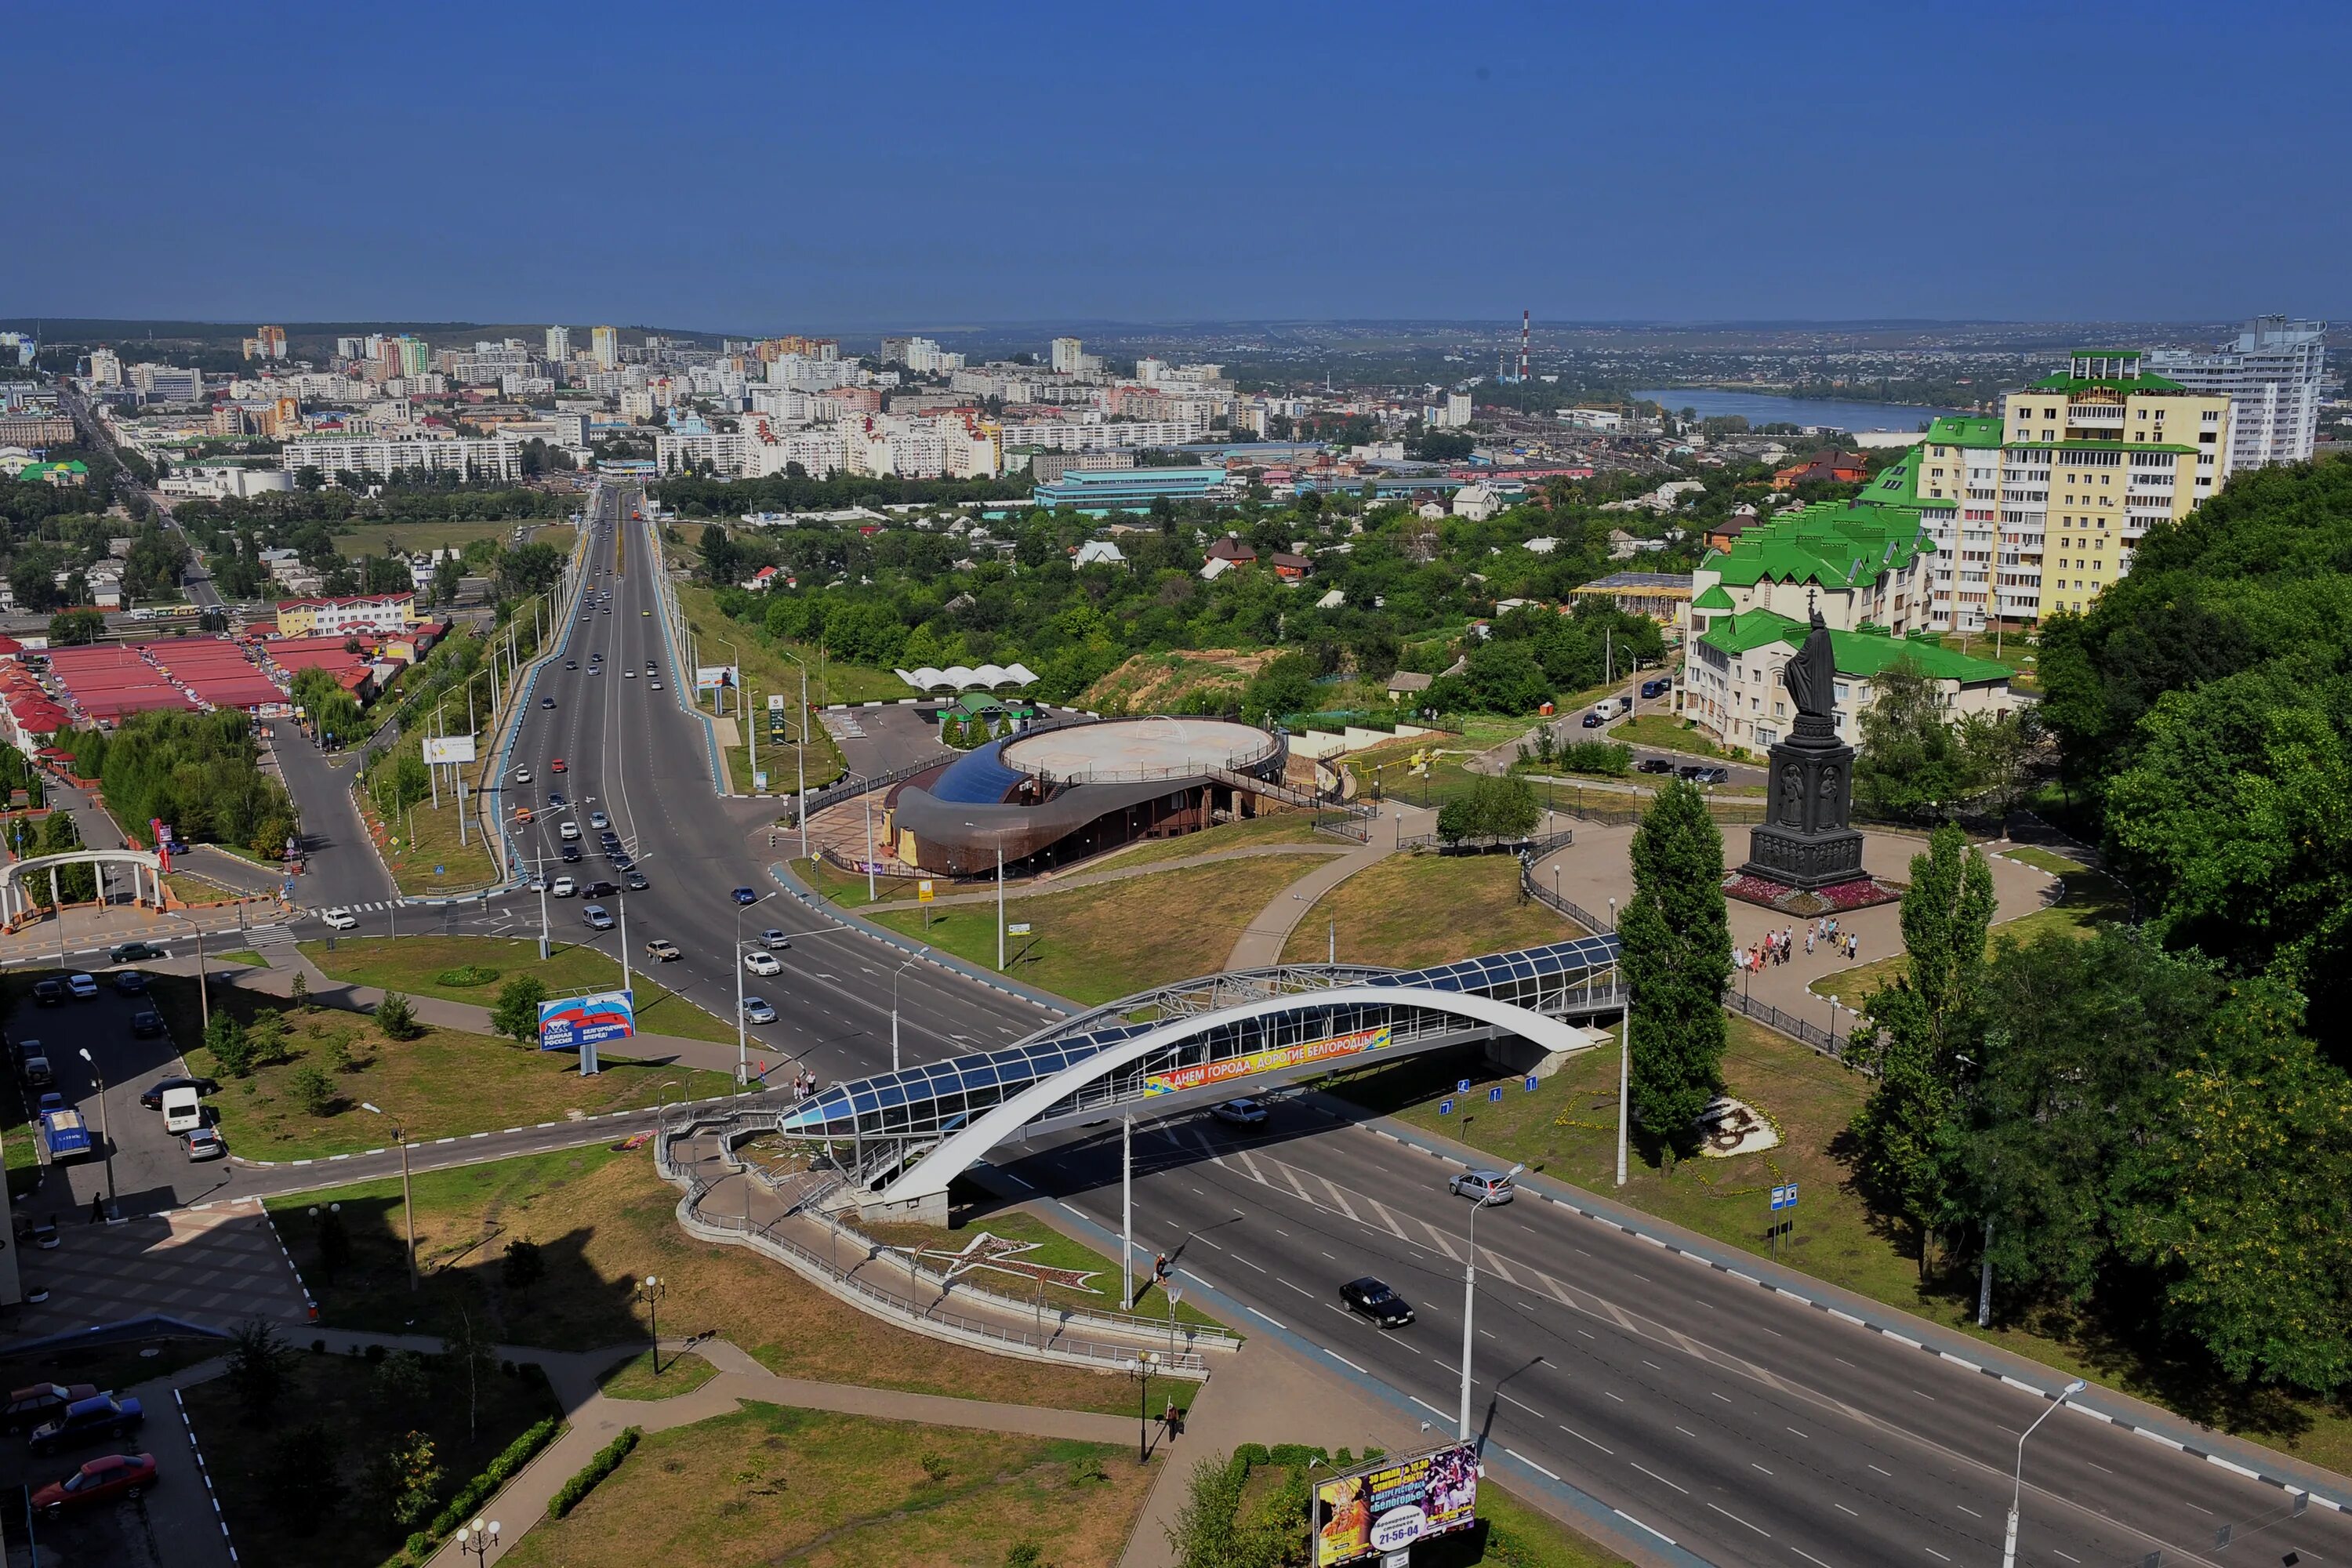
{"x": 1865, "y": 560}
{"x": 1731, "y": 682}
{"x": 68, "y": 473}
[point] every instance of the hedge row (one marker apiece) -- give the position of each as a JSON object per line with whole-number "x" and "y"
{"x": 421, "y": 1546}
{"x": 608, "y": 1459}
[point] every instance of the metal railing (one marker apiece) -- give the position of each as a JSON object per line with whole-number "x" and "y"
{"x": 1492, "y": 844}
{"x": 858, "y": 784}
{"x": 1593, "y": 924}
{"x": 1802, "y": 1030}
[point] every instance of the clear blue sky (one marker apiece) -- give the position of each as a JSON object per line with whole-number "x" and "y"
{"x": 759, "y": 166}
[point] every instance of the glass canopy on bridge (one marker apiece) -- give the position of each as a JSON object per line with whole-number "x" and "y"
{"x": 940, "y": 1096}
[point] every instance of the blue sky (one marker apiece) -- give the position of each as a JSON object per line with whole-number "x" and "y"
{"x": 772, "y": 167}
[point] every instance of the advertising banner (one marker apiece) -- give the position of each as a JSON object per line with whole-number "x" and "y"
{"x": 707, "y": 676}
{"x": 572, "y": 1022}
{"x": 1395, "y": 1503}
{"x": 1203, "y": 1074}
{"x": 439, "y": 749}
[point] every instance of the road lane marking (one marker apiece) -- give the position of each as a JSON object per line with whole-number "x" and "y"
{"x": 1737, "y": 1519}
{"x": 1659, "y": 1479}
{"x": 1528, "y": 1462}
{"x": 1583, "y": 1439}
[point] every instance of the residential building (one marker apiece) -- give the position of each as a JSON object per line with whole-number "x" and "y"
{"x": 1132, "y": 486}
{"x": 559, "y": 344}
{"x": 1835, "y": 466}
{"x": 266, "y": 342}
{"x": 35, "y": 429}
{"x": 356, "y": 613}
{"x": 680, "y": 452}
{"x": 770, "y": 447}
{"x": 105, "y": 368}
{"x": 1092, "y": 434}
{"x": 168, "y": 384}
{"x": 1731, "y": 681}
{"x": 604, "y": 345}
{"x": 1069, "y": 356}
{"x": 1477, "y": 502}
{"x": 1858, "y": 563}
{"x": 1664, "y": 596}
{"x": 2273, "y": 379}
{"x": 493, "y": 458}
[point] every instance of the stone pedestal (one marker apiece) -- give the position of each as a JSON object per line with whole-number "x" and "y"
{"x": 1806, "y": 840}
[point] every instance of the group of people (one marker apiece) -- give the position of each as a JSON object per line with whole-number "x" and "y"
{"x": 1781, "y": 946}
{"x": 803, "y": 1084}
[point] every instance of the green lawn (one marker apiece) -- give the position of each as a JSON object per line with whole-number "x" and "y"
{"x": 379, "y": 539}
{"x": 339, "y": 1416}
{"x": 1276, "y": 827}
{"x": 602, "y": 1220}
{"x": 769, "y": 1484}
{"x": 767, "y": 672}
{"x": 1666, "y": 733}
{"x": 445, "y": 1083}
{"x": 682, "y": 1371}
{"x": 436, "y": 966}
{"x": 1410, "y": 910}
{"x": 1049, "y": 1247}
{"x": 424, "y": 836}
{"x": 1100, "y": 943}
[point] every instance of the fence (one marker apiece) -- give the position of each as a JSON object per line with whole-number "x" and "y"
{"x": 1802, "y": 1030}
{"x": 852, "y": 787}
{"x": 1552, "y": 899}
{"x": 1491, "y": 843}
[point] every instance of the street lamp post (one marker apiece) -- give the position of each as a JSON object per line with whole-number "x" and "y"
{"x": 1624, "y": 1068}
{"x": 204, "y": 992}
{"x": 114, "y": 1205}
{"x": 479, "y": 1539}
{"x": 1470, "y": 1295}
{"x": 1141, "y": 1366}
{"x": 407, "y": 1208}
{"x": 2017, "y": 1494}
{"x": 650, "y": 1290}
{"x": 894, "y": 1009}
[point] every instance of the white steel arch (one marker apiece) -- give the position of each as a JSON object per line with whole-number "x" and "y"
{"x": 17, "y": 900}
{"x": 926, "y": 1183}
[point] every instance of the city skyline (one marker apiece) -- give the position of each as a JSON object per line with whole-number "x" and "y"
{"x": 1017, "y": 172}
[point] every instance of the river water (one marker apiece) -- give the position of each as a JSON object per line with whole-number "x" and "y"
{"x": 1760, "y": 409}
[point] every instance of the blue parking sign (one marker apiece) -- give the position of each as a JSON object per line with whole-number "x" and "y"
{"x": 1530, "y": 1086}
{"x": 1444, "y": 1107}
{"x": 1462, "y": 1086}
{"x": 1494, "y": 1095}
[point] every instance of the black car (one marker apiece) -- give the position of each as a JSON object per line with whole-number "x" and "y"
{"x": 1700, "y": 773}
{"x": 135, "y": 952}
{"x": 547, "y": 702}
{"x": 621, "y": 860}
{"x": 152, "y": 1097}
{"x": 101, "y": 1416}
{"x": 571, "y": 854}
{"x": 636, "y": 882}
{"x": 1375, "y": 1300}
{"x": 1593, "y": 721}
{"x": 1656, "y": 687}
{"x": 570, "y": 664}
{"x": 1654, "y": 765}
{"x": 49, "y": 993}
{"x": 30, "y": 1407}
{"x": 600, "y": 890}
{"x": 555, "y": 797}
{"x": 146, "y": 1024}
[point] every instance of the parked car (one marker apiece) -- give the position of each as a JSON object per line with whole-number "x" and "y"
{"x": 761, "y": 962}
{"x": 1369, "y": 1298}
{"x": 31, "y": 1406}
{"x": 1239, "y": 1113}
{"x": 597, "y": 917}
{"x": 146, "y": 1024}
{"x": 136, "y": 952}
{"x": 775, "y": 940}
{"x": 82, "y": 987}
{"x": 1657, "y": 688}
{"x": 1654, "y": 765}
{"x": 756, "y": 1011}
{"x": 129, "y": 983}
{"x": 116, "y": 1475}
{"x": 1487, "y": 1186}
{"x": 152, "y": 1097}
{"x": 49, "y": 993}
{"x": 1698, "y": 772}
{"x": 664, "y": 949}
{"x": 744, "y": 896}
{"x": 101, "y": 1415}
{"x": 339, "y": 919}
{"x": 204, "y": 1143}
{"x": 39, "y": 1074}
{"x": 564, "y": 887}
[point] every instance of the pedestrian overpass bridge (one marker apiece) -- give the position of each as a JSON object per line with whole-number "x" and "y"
{"x": 909, "y": 1133}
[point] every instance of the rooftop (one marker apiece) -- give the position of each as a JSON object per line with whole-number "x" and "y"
{"x": 1837, "y": 545}
{"x": 1863, "y": 652}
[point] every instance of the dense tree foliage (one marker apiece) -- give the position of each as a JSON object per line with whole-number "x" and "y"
{"x": 200, "y": 772}
{"x": 1677, "y": 954}
{"x": 1492, "y": 807}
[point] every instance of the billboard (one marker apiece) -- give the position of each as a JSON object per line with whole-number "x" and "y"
{"x": 441, "y": 749}
{"x": 1202, "y": 1074}
{"x": 707, "y": 676}
{"x": 1391, "y": 1505}
{"x": 572, "y": 1022}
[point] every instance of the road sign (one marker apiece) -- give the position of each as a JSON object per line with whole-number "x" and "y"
{"x": 1530, "y": 1084}
{"x": 1784, "y": 1198}
{"x": 923, "y": 891}
{"x": 1444, "y": 1107}
{"x": 1018, "y": 928}
{"x": 760, "y": 781}
{"x": 440, "y": 870}
{"x": 1462, "y": 1086}
{"x": 1494, "y": 1095}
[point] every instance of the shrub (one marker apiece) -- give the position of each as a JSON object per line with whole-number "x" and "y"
{"x": 1612, "y": 758}
{"x": 608, "y": 1459}
{"x": 466, "y": 975}
{"x": 313, "y": 1091}
{"x": 500, "y": 1471}
{"x": 396, "y": 1019}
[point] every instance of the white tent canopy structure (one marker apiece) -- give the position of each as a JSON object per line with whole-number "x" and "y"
{"x": 964, "y": 678}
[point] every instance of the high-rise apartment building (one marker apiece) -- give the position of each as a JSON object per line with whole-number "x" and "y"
{"x": 272, "y": 341}
{"x": 105, "y": 368}
{"x": 604, "y": 343}
{"x": 559, "y": 344}
{"x": 1069, "y": 355}
{"x": 2273, "y": 380}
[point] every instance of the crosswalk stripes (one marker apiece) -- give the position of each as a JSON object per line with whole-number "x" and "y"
{"x": 265, "y": 935}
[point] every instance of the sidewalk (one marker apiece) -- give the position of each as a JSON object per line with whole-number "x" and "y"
{"x": 1038, "y": 887}
{"x": 1260, "y": 944}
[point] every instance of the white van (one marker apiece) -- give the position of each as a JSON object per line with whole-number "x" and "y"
{"x": 183, "y": 1110}
{"x": 1608, "y": 707}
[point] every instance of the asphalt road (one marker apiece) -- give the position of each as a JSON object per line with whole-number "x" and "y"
{"x": 197, "y": 585}
{"x": 1746, "y": 1427}
{"x": 343, "y": 867}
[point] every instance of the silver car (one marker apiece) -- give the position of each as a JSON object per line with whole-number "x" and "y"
{"x": 1488, "y": 1187}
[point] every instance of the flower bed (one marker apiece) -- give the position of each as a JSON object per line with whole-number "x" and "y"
{"x": 1859, "y": 894}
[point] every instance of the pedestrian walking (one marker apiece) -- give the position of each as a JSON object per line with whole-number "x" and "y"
{"x": 1808, "y": 944}
{"x": 1853, "y": 946}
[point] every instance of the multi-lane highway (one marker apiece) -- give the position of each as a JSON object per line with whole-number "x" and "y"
{"x": 1744, "y": 1426}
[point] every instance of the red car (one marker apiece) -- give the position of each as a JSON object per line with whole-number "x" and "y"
{"x": 117, "y": 1475}
{"x": 556, "y": 766}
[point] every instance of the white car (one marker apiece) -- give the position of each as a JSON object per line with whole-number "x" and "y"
{"x": 562, "y": 888}
{"x": 631, "y": 674}
{"x": 656, "y": 685}
{"x": 522, "y": 775}
{"x": 568, "y": 832}
{"x": 598, "y": 819}
{"x": 761, "y": 962}
{"x": 339, "y": 919}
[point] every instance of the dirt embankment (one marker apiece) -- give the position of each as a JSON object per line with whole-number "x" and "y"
{"x": 1162, "y": 682}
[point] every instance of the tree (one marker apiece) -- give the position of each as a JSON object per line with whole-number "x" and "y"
{"x": 1905, "y": 1129}
{"x": 1911, "y": 762}
{"x": 300, "y": 1477}
{"x": 1999, "y": 750}
{"x": 1492, "y": 807}
{"x": 397, "y": 1017}
{"x": 526, "y": 570}
{"x": 521, "y": 1267}
{"x": 256, "y": 1367}
{"x": 409, "y": 1480}
{"x": 334, "y": 1239}
{"x": 313, "y": 1091}
{"x": 1676, "y": 956}
{"x": 225, "y": 1038}
{"x": 516, "y": 1015}
{"x": 76, "y": 628}
{"x": 1284, "y": 686}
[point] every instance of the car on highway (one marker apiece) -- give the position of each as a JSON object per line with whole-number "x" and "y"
{"x": 774, "y": 939}
{"x": 1654, "y": 765}
{"x": 1485, "y": 1186}
{"x": 49, "y": 993}
{"x": 619, "y": 859}
{"x": 744, "y": 896}
{"x": 522, "y": 775}
{"x": 662, "y": 948}
{"x": 101, "y": 1415}
{"x": 82, "y": 987}
{"x": 655, "y": 685}
{"x": 115, "y": 1476}
{"x": 651, "y": 667}
{"x": 756, "y": 1011}
{"x": 130, "y": 983}
{"x": 204, "y": 1143}
{"x": 547, "y": 702}
{"x": 136, "y": 952}
{"x": 1696, "y": 773}
{"x": 525, "y": 814}
{"x": 30, "y": 1406}
{"x": 595, "y": 669}
{"x": 570, "y": 854}
{"x": 763, "y": 963}
{"x": 562, "y": 888}
{"x": 1368, "y": 1297}
{"x": 152, "y": 1097}
{"x": 569, "y": 832}
{"x": 598, "y": 819}
{"x": 556, "y": 766}
{"x": 608, "y": 609}
{"x": 628, "y": 675}
{"x": 339, "y": 919}
{"x": 599, "y": 889}
{"x": 146, "y": 1024}
{"x": 555, "y": 799}
{"x": 636, "y": 882}
{"x": 570, "y": 664}
{"x": 597, "y": 916}
{"x": 1239, "y": 1113}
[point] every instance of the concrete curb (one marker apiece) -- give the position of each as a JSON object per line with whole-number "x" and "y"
{"x": 204, "y": 1470}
